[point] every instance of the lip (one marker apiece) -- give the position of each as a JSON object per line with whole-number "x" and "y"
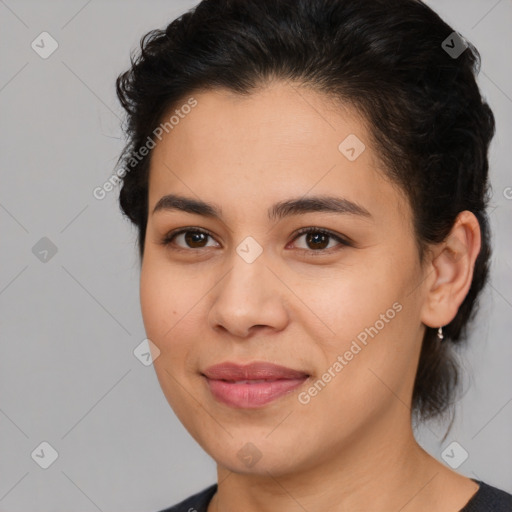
{"x": 226, "y": 383}
{"x": 252, "y": 371}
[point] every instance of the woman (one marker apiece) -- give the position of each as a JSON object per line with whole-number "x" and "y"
{"x": 309, "y": 183}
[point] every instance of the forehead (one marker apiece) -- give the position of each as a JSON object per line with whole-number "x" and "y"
{"x": 280, "y": 116}
{"x": 278, "y": 141}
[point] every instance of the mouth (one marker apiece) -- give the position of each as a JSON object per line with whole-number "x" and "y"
{"x": 251, "y": 386}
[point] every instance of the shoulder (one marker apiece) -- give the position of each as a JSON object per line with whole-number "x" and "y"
{"x": 489, "y": 499}
{"x": 195, "y": 503}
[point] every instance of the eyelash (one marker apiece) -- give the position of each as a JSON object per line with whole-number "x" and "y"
{"x": 169, "y": 237}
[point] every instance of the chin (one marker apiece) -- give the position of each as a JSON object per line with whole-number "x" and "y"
{"x": 255, "y": 456}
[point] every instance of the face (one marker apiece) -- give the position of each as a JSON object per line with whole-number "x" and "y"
{"x": 240, "y": 283}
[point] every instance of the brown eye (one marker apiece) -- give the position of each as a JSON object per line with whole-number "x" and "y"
{"x": 189, "y": 238}
{"x": 318, "y": 240}
{"x": 195, "y": 238}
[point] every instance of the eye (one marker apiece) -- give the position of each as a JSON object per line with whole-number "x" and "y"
{"x": 317, "y": 240}
{"x": 194, "y": 238}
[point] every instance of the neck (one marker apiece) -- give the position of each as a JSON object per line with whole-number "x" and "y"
{"x": 382, "y": 468}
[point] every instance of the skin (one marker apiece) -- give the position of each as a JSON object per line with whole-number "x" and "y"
{"x": 352, "y": 446}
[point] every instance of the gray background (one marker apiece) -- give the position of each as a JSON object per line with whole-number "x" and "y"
{"x": 68, "y": 375}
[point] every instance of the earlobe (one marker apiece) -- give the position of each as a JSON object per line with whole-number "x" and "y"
{"x": 452, "y": 266}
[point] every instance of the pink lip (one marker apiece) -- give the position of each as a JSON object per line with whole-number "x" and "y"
{"x": 222, "y": 383}
{"x": 252, "y": 371}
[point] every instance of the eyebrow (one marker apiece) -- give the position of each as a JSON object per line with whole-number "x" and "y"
{"x": 298, "y": 206}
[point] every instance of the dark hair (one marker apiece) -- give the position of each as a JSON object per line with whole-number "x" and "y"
{"x": 387, "y": 59}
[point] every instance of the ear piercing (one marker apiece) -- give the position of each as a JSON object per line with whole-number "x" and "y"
{"x": 440, "y": 333}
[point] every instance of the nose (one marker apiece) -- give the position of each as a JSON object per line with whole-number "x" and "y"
{"x": 248, "y": 299}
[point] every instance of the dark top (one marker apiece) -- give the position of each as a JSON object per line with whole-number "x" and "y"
{"x": 486, "y": 499}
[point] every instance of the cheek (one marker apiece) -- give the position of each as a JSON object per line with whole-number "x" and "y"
{"x": 161, "y": 308}
{"x": 345, "y": 301}
{"x": 155, "y": 303}
{"x": 165, "y": 297}
{"x": 369, "y": 318}
{"x": 167, "y": 311}
{"x": 171, "y": 306}
{"x": 359, "y": 381}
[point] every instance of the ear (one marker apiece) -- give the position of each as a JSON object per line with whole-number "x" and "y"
{"x": 450, "y": 271}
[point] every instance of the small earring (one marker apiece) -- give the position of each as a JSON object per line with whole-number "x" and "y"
{"x": 440, "y": 333}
